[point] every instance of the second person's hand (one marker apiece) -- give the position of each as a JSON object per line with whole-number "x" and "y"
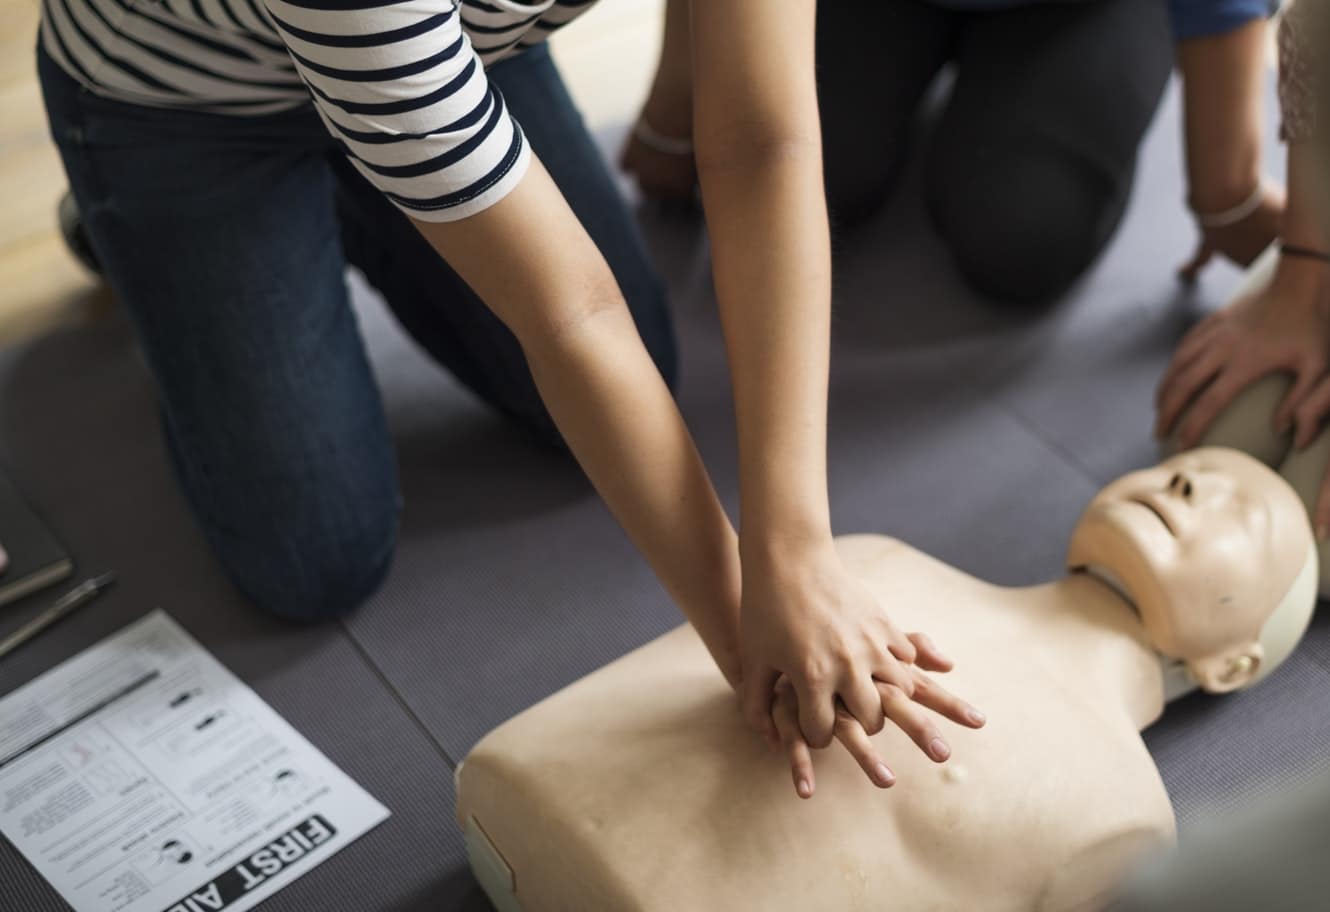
{"x": 1242, "y": 241}
{"x": 1282, "y": 327}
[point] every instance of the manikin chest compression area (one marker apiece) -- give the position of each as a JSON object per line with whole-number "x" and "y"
{"x": 639, "y": 787}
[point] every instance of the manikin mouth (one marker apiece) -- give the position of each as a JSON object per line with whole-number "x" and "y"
{"x": 1156, "y": 511}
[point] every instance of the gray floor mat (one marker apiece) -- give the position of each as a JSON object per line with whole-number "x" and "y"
{"x": 79, "y": 435}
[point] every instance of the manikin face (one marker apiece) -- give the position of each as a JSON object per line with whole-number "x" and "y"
{"x": 1207, "y": 545}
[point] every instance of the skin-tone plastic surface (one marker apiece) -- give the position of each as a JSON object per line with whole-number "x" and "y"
{"x": 638, "y": 787}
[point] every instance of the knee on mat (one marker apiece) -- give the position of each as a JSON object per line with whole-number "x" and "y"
{"x": 856, "y": 192}
{"x": 1025, "y": 228}
{"x": 312, "y": 574}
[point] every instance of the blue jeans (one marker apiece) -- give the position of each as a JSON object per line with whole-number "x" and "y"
{"x": 227, "y": 238}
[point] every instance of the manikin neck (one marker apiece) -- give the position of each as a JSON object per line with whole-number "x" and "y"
{"x": 1178, "y": 681}
{"x": 1105, "y": 643}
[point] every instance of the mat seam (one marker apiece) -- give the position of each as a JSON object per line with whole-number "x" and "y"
{"x": 1048, "y": 442}
{"x": 397, "y": 695}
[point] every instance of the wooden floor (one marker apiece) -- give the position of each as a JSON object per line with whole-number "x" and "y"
{"x": 41, "y": 285}
{"x": 607, "y": 58}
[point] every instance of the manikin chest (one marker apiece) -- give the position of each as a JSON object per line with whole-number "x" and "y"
{"x": 639, "y": 788}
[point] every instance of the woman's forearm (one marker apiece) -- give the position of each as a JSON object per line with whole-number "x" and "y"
{"x": 771, "y": 260}
{"x": 617, "y": 415}
{"x": 1223, "y": 85}
{"x": 530, "y": 261}
{"x": 1305, "y": 222}
{"x": 758, "y": 149}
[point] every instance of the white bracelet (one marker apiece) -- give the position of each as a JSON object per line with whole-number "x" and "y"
{"x": 653, "y": 139}
{"x": 1232, "y": 216}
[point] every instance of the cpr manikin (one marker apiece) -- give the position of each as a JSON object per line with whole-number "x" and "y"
{"x": 639, "y": 787}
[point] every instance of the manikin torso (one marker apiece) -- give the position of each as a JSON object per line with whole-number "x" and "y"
{"x": 1044, "y": 808}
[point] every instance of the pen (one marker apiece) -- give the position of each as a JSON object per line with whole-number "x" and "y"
{"x": 77, "y": 597}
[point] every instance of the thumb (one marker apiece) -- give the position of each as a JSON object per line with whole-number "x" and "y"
{"x": 1191, "y": 270}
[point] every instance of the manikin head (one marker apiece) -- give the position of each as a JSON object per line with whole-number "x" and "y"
{"x": 1216, "y": 552}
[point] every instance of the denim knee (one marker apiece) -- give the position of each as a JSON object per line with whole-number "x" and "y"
{"x": 647, "y": 301}
{"x": 311, "y": 571}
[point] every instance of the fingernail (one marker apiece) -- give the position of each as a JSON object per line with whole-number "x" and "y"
{"x": 883, "y": 776}
{"x": 975, "y": 716}
{"x": 939, "y": 749}
{"x": 805, "y": 788}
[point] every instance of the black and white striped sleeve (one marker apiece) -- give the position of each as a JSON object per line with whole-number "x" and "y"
{"x": 399, "y": 85}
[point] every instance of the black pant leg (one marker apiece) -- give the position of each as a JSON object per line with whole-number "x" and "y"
{"x": 875, "y": 59}
{"x": 1034, "y": 157}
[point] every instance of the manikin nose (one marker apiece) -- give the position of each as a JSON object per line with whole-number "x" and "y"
{"x": 1181, "y": 485}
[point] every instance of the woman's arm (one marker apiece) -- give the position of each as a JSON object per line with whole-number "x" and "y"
{"x": 664, "y": 169}
{"x": 1285, "y": 326}
{"x": 1281, "y": 328}
{"x": 758, "y": 149}
{"x": 530, "y": 260}
{"x": 1223, "y": 77}
{"x": 402, "y": 90}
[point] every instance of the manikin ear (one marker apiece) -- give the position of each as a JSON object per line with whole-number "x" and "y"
{"x": 1230, "y": 670}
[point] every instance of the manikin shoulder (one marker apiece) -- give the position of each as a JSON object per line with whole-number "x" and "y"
{"x": 880, "y": 558}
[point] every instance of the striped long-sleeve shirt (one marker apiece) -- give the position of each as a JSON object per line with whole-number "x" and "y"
{"x": 400, "y": 84}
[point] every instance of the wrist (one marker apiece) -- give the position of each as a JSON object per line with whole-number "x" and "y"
{"x": 1300, "y": 276}
{"x": 769, "y": 548}
{"x": 1221, "y": 203}
{"x": 669, "y": 108}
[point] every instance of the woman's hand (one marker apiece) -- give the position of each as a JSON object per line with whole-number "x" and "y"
{"x": 807, "y": 621}
{"x": 667, "y": 175}
{"x": 659, "y": 151}
{"x": 1241, "y": 242}
{"x": 905, "y": 710}
{"x": 1283, "y": 327}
